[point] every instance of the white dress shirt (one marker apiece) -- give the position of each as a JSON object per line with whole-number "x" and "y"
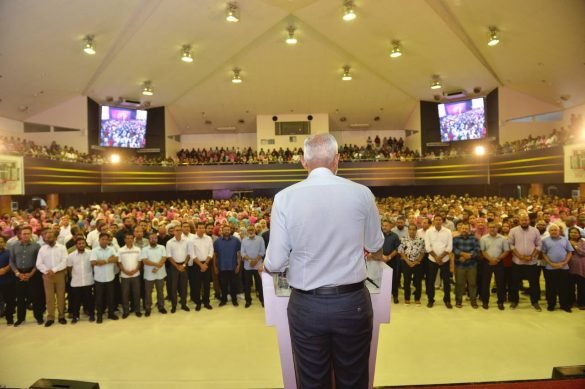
{"x": 52, "y": 258}
{"x": 81, "y": 269}
{"x": 155, "y": 255}
{"x": 103, "y": 273}
{"x": 64, "y": 234}
{"x": 129, "y": 258}
{"x": 439, "y": 242}
{"x": 93, "y": 238}
{"x": 319, "y": 229}
{"x": 201, "y": 248}
{"x": 178, "y": 249}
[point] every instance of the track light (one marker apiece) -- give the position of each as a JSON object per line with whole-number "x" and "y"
{"x": 349, "y": 13}
{"x": 186, "y": 54}
{"x": 494, "y": 39}
{"x": 236, "y": 79}
{"x": 346, "y": 74}
{"x": 232, "y": 13}
{"x": 396, "y": 49}
{"x": 436, "y": 82}
{"x": 147, "y": 89}
{"x": 291, "y": 40}
{"x": 88, "y": 45}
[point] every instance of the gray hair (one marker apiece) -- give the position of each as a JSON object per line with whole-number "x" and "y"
{"x": 320, "y": 150}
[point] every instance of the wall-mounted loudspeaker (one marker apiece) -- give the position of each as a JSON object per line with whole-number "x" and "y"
{"x": 274, "y": 118}
{"x": 310, "y": 117}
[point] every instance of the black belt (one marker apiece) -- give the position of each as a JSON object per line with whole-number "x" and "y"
{"x": 333, "y": 290}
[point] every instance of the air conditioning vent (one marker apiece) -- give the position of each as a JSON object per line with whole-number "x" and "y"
{"x": 292, "y": 128}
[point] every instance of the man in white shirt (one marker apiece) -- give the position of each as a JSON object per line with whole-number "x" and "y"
{"x": 129, "y": 262}
{"x": 329, "y": 304}
{"x": 52, "y": 261}
{"x": 153, "y": 258}
{"x": 103, "y": 259}
{"x": 65, "y": 230}
{"x": 200, "y": 256}
{"x": 93, "y": 235}
{"x": 439, "y": 245}
{"x": 178, "y": 255}
{"x": 81, "y": 280}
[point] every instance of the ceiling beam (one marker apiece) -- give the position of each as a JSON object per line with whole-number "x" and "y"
{"x": 144, "y": 10}
{"x": 443, "y": 11}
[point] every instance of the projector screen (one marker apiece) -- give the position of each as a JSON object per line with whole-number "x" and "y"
{"x": 462, "y": 120}
{"x": 122, "y": 127}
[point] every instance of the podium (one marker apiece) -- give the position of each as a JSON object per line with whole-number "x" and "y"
{"x": 276, "y": 295}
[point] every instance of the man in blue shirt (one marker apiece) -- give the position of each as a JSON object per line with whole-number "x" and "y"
{"x": 253, "y": 251}
{"x": 390, "y": 251}
{"x": 227, "y": 263}
{"x": 557, "y": 252}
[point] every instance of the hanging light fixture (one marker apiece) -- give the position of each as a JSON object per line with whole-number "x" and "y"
{"x": 349, "y": 13}
{"x": 291, "y": 40}
{"x": 236, "y": 79}
{"x": 147, "y": 88}
{"x": 88, "y": 45}
{"x": 436, "y": 82}
{"x": 232, "y": 13}
{"x": 186, "y": 54}
{"x": 346, "y": 74}
{"x": 494, "y": 39}
{"x": 396, "y": 49}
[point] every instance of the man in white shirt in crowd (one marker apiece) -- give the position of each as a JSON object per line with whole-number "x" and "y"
{"x": 439, "y": 245}
{"x": 129, "y": 262}
{"x": 201, "y": 256}
{"x": 94, "y": 235}
{"x": 81, "y": 280}
{"x": 52, "y": 262}
{"x": 153, "y": 258}
{"x": 103, "y": 259}
{"x": 252, "y": 252}
{"x": 178, "y": 255}
{"x": 65, "y": 230}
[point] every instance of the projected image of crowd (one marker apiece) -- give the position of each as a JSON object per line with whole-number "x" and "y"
{"x": 110, "y": 260}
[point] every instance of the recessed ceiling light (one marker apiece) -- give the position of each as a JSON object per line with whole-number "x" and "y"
{"x": 396, "y": 49}
{"x": 236, "y": 79}
{"x": 147, "y": 89}
{"x": 346, "y": 74}
{"x": 186, "y": 54}
{"x": 494, "y": 38}
{"x": 349, "y": 13}
{"x": 232, "y": 13}
{"x": 89, "y": 45}
{"x": 436, "y": 82}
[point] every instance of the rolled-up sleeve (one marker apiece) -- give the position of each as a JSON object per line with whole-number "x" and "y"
{"x": 279, "y": 247}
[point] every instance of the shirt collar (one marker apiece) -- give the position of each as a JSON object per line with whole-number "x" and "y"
{"x": 320, "y": 172}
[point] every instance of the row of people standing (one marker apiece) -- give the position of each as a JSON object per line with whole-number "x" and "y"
{"x": 433, "y": 253}
{"x": 103, "y": 275}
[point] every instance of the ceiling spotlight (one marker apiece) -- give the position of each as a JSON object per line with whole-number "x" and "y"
{"x": 291, "y": 40}
{"x": 396, "y": 49}
{"x": 346, "y": 74}
{"x": 88, "y": 45}
{"x": 147, "y": 89}
{"x": 349, "y": 13}
{"x": 494, "y": 39}
{"x": 232, "y": 13}
{"x": 436, "y": 82}
{"x": 236, "y": 79}
{"x": 186, "y": 54}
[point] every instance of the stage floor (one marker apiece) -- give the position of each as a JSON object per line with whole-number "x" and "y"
{"x": 230, "y": 347}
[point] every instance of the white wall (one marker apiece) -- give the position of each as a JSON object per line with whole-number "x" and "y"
{"x": 513, "y": 105}
{"x": 241, "y": 140}
{"x": 265, "y": 129}
{"x": 413, "y": 141}
{"x": 171, "y": 145}
{"x": 360, "y": 137}
{"x": 72, "y": 114}
{"x": 9, "y": 127}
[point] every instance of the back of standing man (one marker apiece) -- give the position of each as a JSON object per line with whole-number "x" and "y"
{"x": 330, "y": 310}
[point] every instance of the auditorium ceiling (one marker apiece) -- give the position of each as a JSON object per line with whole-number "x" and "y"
{"x": 541, "y": 53}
